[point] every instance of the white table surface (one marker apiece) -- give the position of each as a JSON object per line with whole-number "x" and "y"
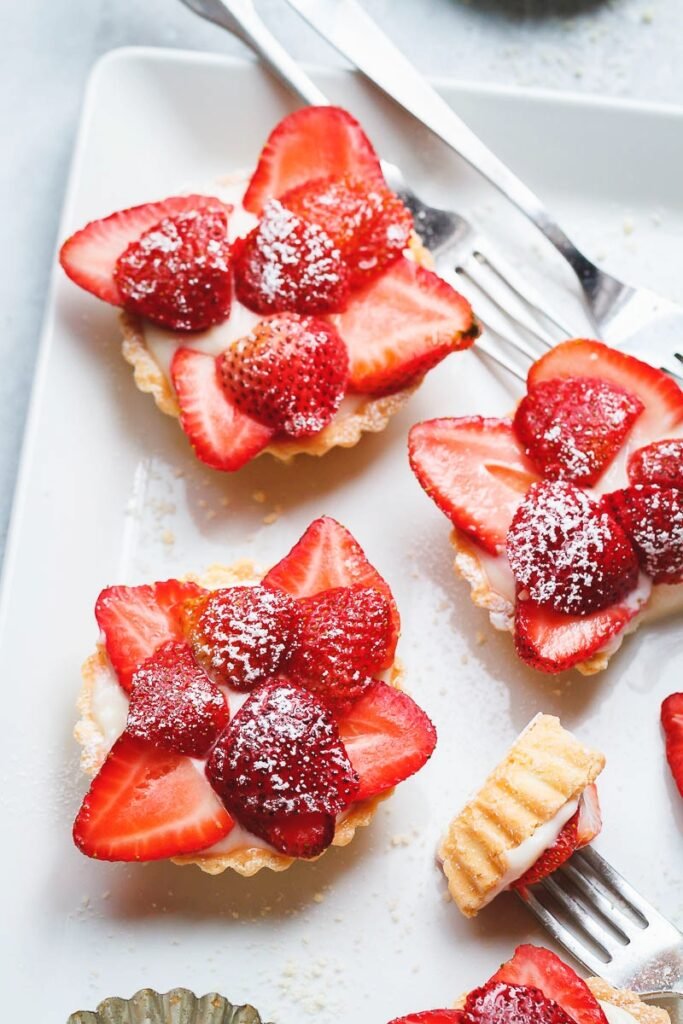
{"x": 628, "y": 48}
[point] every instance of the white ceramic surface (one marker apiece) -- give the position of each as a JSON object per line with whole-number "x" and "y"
{"x": 109, "y": 493}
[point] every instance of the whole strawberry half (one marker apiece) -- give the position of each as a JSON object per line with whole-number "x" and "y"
{"x": 281, "y": 755}
{"x": 672, "y": 723}
{"x": 652, "y": 516}
{"x": 178, "y": 272}
{"x": 346, "y": 636}
{"x": 311, "y": 143}
{"x": 568, "y": 553}
{"x": 136, "y": 621}
{"x": 366, "y": 221}
{"x": 500, "y": 1003}
{"x": 174, "y": 705}
{"x": 296, "y": 835}
{"x": 286, "y": 264}
{"x": 290, "y": 373}
{"x": 244, "y": 635}
{"x": 658, "y": 463}
{"x": 539, "y": 968}
{"x": 573, "y": 427}
{"x": 147, "y": 804}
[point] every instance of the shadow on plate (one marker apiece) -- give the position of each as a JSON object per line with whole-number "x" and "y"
{"x": 537, "y": 10}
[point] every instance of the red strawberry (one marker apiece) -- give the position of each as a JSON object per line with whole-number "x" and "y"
{"x": 658, "y": 463}
{"x": 475, "y": 470}
{"x": 567, "y": 552}
{"x": 311, "y": 143}
{"x": 281, "y": 755}
{"x": 328, "y": 556}
{"x": 89, "y": 256}
{"x": 552, "y": 642}
{"x": 299, "y": 835}
{"x": 432, "y": 1017}
{"x": 173, "y": 703}
{"x": 652, "y": 517}
{"x": 498, "y": 1003}
{"x": 366, "y": 221}
{"x": 347, "y": 633}
{"x": 659, "y": 393}
{"x": 178, "y": 273}
{"x": 387, "y": 738}
{"x": 137, "y": 620}
{"x": 222, "y": 436}
{"x": 245, "y": 635}
{"x": 573, "y": 427}
{"x": 552, "y": 858}
{"x": 146, "y": 804}
{"x": 286, "y": 264}
{"x": 290, "y": 373}
{"x": 541, "y": 969}
{"x": 401, "y": 325}
{"x": 672, "y": 723}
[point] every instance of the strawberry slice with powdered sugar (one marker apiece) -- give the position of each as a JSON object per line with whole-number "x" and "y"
{"x": 311, "y": 143}
{"x": 536, "y": 967}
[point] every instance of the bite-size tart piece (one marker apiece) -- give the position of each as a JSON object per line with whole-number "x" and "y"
{"x": 536, "y": 808}
{"x": 536, "y": 987}
{"x": 568, "y": 516}
{"x": 290, "y": 317}
{"x": 241, "y": 720}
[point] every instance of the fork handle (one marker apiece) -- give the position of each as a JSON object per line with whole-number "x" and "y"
{"x": 345, "y": 25}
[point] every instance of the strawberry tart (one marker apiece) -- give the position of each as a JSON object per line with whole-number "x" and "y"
{"x": 568, "y": 516}
{"x": 536, "y": 987}
{"x": 536, "y": 808}
{"x": 243, "y": 721}
{"x": 289, "y": 312}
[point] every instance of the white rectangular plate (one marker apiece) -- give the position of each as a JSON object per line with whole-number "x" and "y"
{"x": 110, "y": 493}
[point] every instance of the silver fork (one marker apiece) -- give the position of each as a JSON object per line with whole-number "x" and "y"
{"x": 450, "y": 238}
{"x": 635, "y": 319}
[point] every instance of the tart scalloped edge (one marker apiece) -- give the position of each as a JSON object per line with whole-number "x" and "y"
{"x": 94, "y": 750}
{"x": 544, "y": 768}
{"x": 501, "y": 611}
{"x": 345, "y": 430}
{"x": 623, "y": 998}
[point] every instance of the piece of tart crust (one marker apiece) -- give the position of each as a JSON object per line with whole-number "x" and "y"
{"x": 545, "y": 767}
{"x": 345, "y": 430}
{"x": 502, "y": 612}
{"x": 641, "y": 1012}
{"x": 94, "y": 748}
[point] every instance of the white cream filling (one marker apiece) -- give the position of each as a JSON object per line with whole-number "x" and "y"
{"x": 616, "y": 1014}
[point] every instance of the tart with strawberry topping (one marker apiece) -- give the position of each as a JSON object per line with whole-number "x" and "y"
{"x": 244, "y": 721}
{"x": 536, "y": 987}
{"x": 536, "y": 808}
{"x": 291, "y": 317}
{"x": 568, "y": 516}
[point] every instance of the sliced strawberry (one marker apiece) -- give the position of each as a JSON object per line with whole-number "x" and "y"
{"x": 538, "y": 967}
{"x": 290, "y": 373}
{"x": 300, "y": 835}
{"x": 432, "y": 1017}
{"x": 590, "y": 816}
{"x": 137, "y": 620}
{"x": 328, "y": 556}
{"x": 498, "y": 1003}
{"x": 572, "y": 428}
{"x": 366, "y": 221}
{"x": 173, "y": 703}
{"x": 658, "y": 463}
{"x": 672, "y": 723}
{"x": 245, "y": 635}
{"x": 475, "y": 470}
{"x": 401, "y": 325}
{"x": 552, "y": 642}
{"x": 89, "y": 256}
{"x": 567, "y": 552}
{"x": 346, "y": 638}
{"x": 222, "y": 436}
{"x": 652, "y": 517}
{"x": 146, "y": 804}
{"x": 288, "y": 265}
{"x": 659, "y": 393}
{"x": 178, "y": 273}
{"x": 552, "y": 858}
{"x": 311, "y": 143}
{"x": 387, "y": 737}
{"x": 280, "y": 756}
